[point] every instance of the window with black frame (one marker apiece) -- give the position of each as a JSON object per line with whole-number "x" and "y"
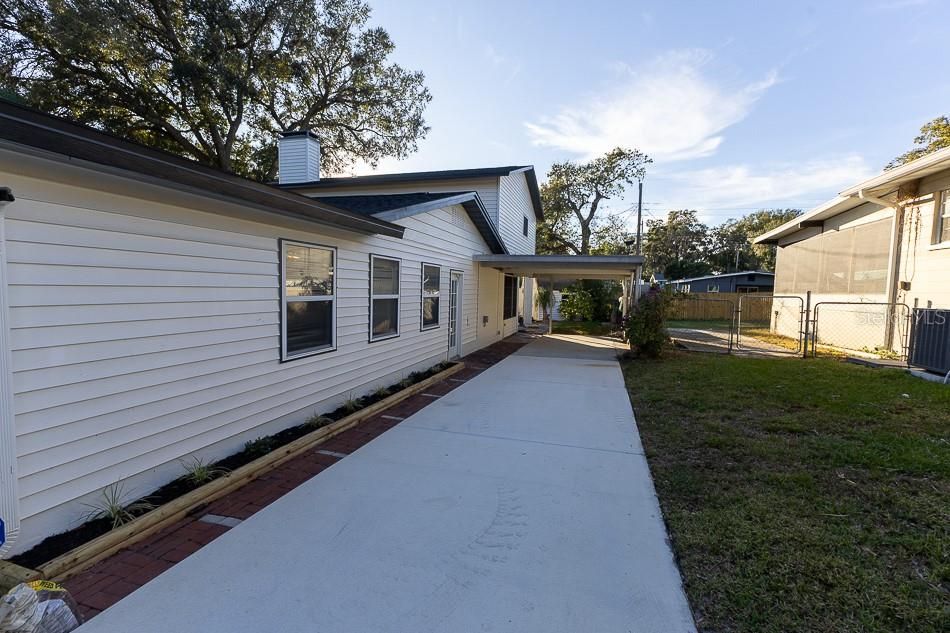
{"x": 384, "y": 298}
{"x": 308, "y": 305}
{"x": 510, "y": 310}
{"x": 431, "y": 283}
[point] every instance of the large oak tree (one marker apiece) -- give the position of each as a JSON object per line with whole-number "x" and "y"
{"x": 933, "y": 135}
{"x": 216, "y": 80}
{"x": 572, "y": 196}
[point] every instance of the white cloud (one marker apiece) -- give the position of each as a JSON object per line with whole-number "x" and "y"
{"x": 669, "y": 109}
{"x": 741, "y": 187}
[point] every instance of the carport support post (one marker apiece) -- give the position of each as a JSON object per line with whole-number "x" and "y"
{"x": 551, "y": 311}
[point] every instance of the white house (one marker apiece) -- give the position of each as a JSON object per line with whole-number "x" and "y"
{"x": 152, "y": 308}
{"x": 882, "y": 244}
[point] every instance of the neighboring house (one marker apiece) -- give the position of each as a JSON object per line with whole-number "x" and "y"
{"x": 745, "y": 281}
{"x": 882, "y": 242}
{"x": 152, "y": 308}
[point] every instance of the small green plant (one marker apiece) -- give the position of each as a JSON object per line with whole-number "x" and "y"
{"x": 201, "y": 472}
{"x": 112, "y": 506}
{"x": 381, "y": 393}
{"x": 646, "y": 325}
{"x": 351, "y": 404}
{"x": 260, "y": 446}
{"x": 405, "y": 382}
{"x": 545, "y": 300}
{"x": 319, "y": 421}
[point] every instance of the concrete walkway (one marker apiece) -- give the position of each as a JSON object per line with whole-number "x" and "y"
{"x": 520, "y": 501}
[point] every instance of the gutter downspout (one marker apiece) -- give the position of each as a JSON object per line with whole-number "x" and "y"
{"x": 9, "y": 494}
{"x": 894, "y": 273}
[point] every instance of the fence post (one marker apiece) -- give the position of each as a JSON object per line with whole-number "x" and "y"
{"x": 911, "y": 331}
{"x": 807, "y": 318}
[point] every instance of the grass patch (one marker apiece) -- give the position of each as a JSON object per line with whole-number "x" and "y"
{"x": 801, "y": 495}
{"x": 589, "y": 328}
{"x": 694, "y": 324}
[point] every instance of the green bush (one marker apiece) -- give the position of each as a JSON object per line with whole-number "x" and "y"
{"x": 577, "y": 304}
{"x": 590, "y": 300}
{"x": 646, "y": 325}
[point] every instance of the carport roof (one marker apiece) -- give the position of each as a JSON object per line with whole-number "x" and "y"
{"x": 576, "y": 266}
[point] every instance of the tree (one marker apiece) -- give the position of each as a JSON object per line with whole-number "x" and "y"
{"x": 933, "y": 135}
{"x": 734, "y": 237}
{"x": 677, "y": 246}
{"x": 215, "y": 80}
{"x": 572, "y": 198}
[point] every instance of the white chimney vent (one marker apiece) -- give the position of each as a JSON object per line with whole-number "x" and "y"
{"x": 298, "y": 157}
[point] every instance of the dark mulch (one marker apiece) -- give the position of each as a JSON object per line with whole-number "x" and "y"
{"x": 59, "y": 544}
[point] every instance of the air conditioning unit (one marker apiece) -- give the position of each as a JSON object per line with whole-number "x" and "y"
{"x": 930, "y": 340}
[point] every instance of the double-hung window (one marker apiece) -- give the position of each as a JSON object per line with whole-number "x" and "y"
{"x": 308, "y": 299}
{"x": 431, "y": 283}
{"x": 942, "y": 218}
{"x": 384, "y": 298}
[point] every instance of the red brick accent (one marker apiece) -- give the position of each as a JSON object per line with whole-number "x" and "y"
{"x": 110, "y": 580}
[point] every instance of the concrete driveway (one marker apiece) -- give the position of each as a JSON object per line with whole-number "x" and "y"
{"x": 521, "y": 501}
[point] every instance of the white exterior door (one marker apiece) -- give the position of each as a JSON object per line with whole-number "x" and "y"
{"x": 455, "y": 314}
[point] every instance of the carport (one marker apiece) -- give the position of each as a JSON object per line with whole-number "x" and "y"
{"x": 626, "y": 269}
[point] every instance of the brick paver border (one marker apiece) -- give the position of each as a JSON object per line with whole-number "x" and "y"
{"x": 110, "y": 580}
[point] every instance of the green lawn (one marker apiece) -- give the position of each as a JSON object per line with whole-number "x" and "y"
{"x": 694, "y": 324}
{"x": 590, "y": 328}
{"x": 801, "y": 495}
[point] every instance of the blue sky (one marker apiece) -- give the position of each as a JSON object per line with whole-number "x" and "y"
{"x": 743, "y": 105}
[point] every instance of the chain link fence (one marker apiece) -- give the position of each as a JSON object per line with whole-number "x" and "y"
{"x": 862, "y": 329}
{"x": 790, "y": 325}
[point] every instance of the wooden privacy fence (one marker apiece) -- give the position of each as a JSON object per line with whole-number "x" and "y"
{"x": 721, "y": 306}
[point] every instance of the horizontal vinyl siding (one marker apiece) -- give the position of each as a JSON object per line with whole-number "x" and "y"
{"x": 925, "y": 266}
{"x": 138, "y": 341}
{"x": 514, "y": 206}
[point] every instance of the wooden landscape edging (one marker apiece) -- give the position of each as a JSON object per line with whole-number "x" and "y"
{"x": 12, "y": 575}
{"x": 88, "y": 554}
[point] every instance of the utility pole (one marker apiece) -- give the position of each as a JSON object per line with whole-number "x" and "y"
{"x": 639, "y": 274}
{"x": 639, "y": 217}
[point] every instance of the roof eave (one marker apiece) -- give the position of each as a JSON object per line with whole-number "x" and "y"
{"x": 892, "y": 178}
{"x": 53, "y": 138}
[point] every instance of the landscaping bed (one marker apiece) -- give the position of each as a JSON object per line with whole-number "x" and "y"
{"x": 811, "y": 495}
{"x": 61, "y": 544}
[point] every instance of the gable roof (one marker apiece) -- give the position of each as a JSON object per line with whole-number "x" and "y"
{"x": 394, "y": 206}
{"x": 429, "y": 176}
{"x": 21, "y": 126}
